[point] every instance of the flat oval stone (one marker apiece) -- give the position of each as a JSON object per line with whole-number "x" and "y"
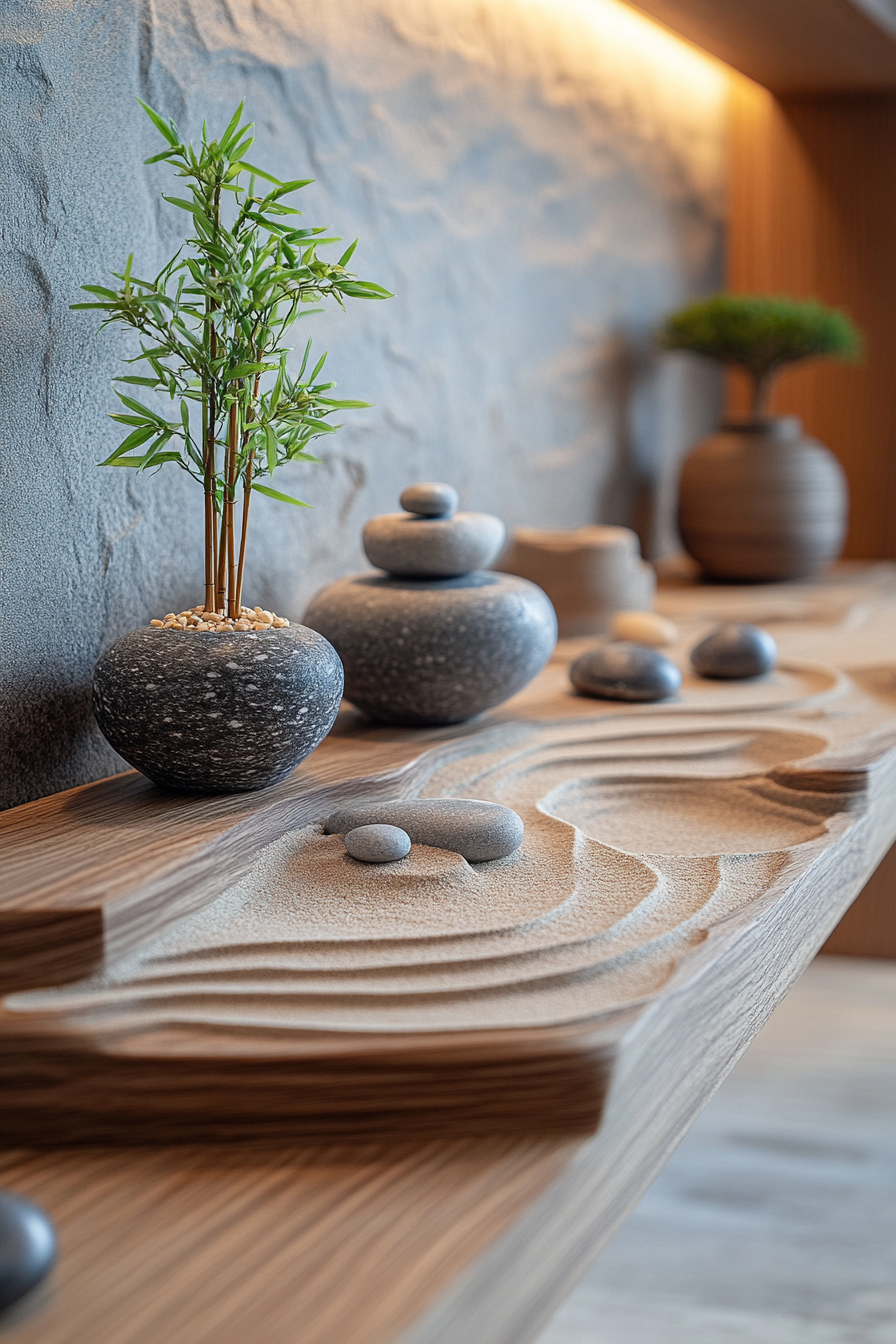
{"x": 625, "y": 672}
{"x": 478, "y": 830}
{"x": 735, "y": 652}
{"x": 27, "y": 1247}
{"x": 643, "y": 627}
{"x": 432, "y": 548}
{"x": 430, "y": 499}
{"x": 378, "y": 843}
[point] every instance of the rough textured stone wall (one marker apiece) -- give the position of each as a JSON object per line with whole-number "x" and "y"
{"x": 537, "y": 182}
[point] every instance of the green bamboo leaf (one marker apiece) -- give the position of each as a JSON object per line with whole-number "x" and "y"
{"x": 347, "y": 405}
{"x": 286, "y": 187}
{"x": 121, "y": 419}
{"x": 363, "y": 289}
{"x": 276, "y": 494}
{"x": 100, "y": 289}
{"x": 123, "y": 462}
{"x": 270, "y": 443}
{"x": 167, "y": 131}
{"x": 243, "y": 370}
{"x": 158, "y": 158}
{"x": 132, "y": 378}
{"x": 347, "y": 254}
{"x": 193, "y": 208}
{"x": 132, "y": 441}
{"x": 258, "y": 173}
{"x": 138, "y": 407}
{"x": 229, "y": 135}
{"x": 240, "y": 150}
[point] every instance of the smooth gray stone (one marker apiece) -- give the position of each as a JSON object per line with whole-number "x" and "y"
{"x": 431, "y": 499}
{"x": 623, "y": 671}
{"x": 735, "y": 652}
{"x": 27, "y": 1247}
{"x": 378, "y": 843}
{"x": 434, "y": 651}
{"x": 477, "y": 830}
{"x": 432, "y": 548}
{"x": 212, "y": 713}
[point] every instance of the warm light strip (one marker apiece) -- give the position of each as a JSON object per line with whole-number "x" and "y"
{"x": 620, "y": 25}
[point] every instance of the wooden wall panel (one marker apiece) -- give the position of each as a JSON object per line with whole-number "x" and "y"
{"x": 868, "y": 929}
{"x": 813, "y": 214}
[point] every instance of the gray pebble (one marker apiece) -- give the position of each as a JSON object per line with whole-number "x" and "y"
{"x": 378, "y": 843}
{"x": 432, "y": 548}
{"x": 431, "y": 499}
{"x": 27, "y": 1247}
{"x": 623, "y": 671}
{"x": 735, "y": 652}
{"x": 478, "y": 830}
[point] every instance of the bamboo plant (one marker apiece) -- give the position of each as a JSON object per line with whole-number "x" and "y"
{"x": 212, "y": 327}
{"x": 761, "y": 335}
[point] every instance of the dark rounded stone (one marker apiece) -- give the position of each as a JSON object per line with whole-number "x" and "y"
{"x": 27, "y": 1247}
{"x": 431, "y": 499}
{"x": 217, "y": 713}
{"x": 378, "y": 843}
{"x": 434, "y": 651}
{"x": 478, "y": 830}
{"x": 625, "y": 672}
{"x": 734, "y": 653}
{"x": 432, "y": 548}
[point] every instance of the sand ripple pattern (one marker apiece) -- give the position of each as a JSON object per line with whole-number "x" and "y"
{"x": 641, "y": 834}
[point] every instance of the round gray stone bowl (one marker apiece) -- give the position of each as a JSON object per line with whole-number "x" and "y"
{"x": 210, "y": 713}
{"x": 435, "y": 651}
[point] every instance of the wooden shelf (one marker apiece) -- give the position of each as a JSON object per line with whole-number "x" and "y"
{"x": 438, "y": 1223}
{"x": 797, "y": 47}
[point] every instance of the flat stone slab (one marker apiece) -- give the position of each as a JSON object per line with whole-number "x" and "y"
{"x": 479, "y": 831}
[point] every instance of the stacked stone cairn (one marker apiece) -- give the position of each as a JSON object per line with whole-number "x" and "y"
{"x": 437, "y": 638}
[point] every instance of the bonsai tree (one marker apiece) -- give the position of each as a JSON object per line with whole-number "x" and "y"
{"x": 761, "y": 335}
{"x": 212, "y": 327}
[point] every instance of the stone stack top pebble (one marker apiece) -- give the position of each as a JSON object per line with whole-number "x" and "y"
{"x": 429, "y": 540}
{"x": 430, "y": 499}
{"x": 197, "y": 618}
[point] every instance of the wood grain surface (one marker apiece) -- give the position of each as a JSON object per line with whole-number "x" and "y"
{"x": 474, "y": 1237}
{"x": 91, "y": 873}
{"x": 804, "y": 46}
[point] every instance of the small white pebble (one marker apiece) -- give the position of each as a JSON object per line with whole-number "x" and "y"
{"x": 643, "y": 627}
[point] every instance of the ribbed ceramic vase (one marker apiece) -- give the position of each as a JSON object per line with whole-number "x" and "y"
{"x": 761, "y": 501}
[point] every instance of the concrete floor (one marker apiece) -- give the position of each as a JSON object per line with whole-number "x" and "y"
{"x": 775, "y": 1221}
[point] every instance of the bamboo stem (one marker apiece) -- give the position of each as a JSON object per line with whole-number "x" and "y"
{"x": 232, "y": 448}
{"x": 247, "y": 495}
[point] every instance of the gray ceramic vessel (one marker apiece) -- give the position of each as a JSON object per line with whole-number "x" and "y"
{"x": 217, "y": 713}
{"x": 434, "y": 651}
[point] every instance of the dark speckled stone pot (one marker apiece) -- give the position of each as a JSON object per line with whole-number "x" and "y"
{"x": 212, "y": 713}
